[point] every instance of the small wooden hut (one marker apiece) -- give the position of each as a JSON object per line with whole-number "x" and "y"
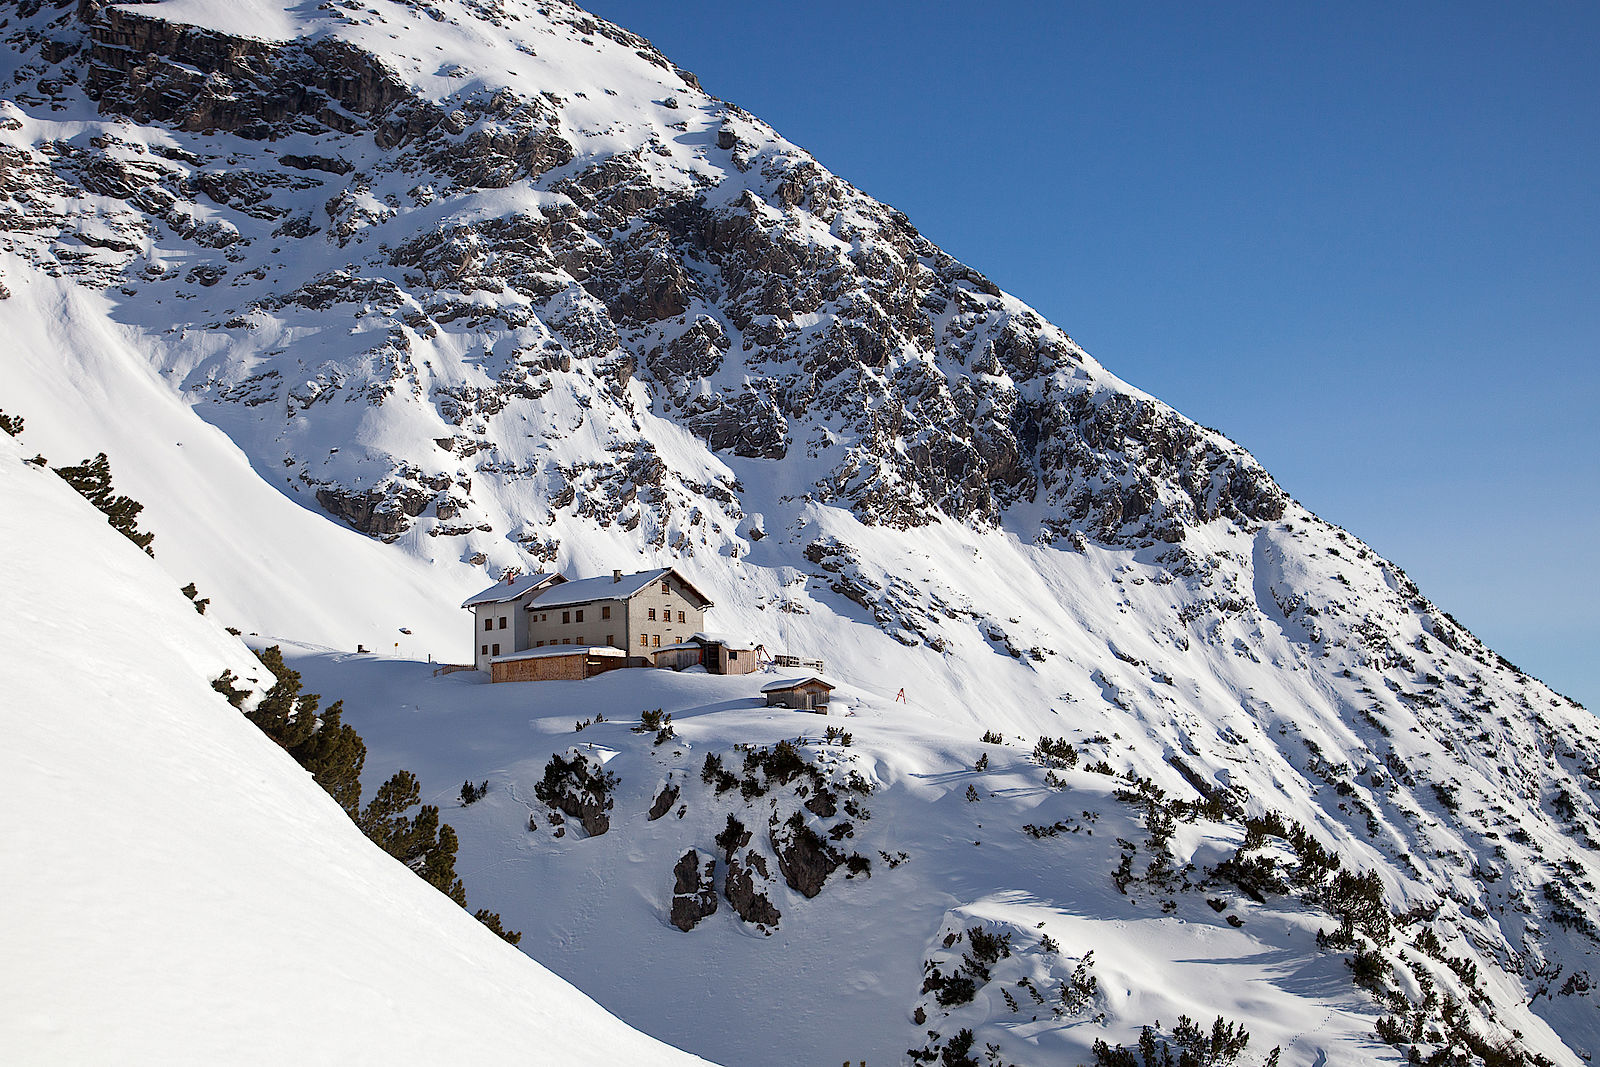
{"x": 807, "y": 693}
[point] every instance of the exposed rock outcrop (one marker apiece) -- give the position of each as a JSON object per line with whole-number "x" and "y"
{"x": 694, "y": 896}
{"x": 581, "y": 787}
{"x": 663, "y": 801}
{"x": 805, "y": 858}
{"x": 749, "y": 902}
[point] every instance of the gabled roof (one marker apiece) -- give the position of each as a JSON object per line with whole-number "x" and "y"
{"x": 500, "y": 592}
{"x": 792, "y": 683}
{"x": 608, "y": 587}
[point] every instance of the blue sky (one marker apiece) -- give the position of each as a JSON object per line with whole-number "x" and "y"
{"x": 1363, "y": 240}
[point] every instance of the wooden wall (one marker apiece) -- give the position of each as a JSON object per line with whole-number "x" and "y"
{"x": 571, "y": 667}
{"x": 807, "y": 697}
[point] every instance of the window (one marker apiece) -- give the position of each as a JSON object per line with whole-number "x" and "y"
{"x": 655, "y": 639}
{"x": 502, "y": 622}
{"x": 538, "y": 644}
{"x": 644, "y": 640}
{"x": 666, "y": 587}
{"x": 611, "y": 640}
{"x": 485, "y": 650}
{"x": 605, "y": 613}
{"x": 566, "y": 616}
{"x": 652, "y": 614}
{"x": 580, "y": 639}
{"x": 680, "y": 616}
{"x": 580, "y": 616}
{"x": 566, "y": 640}
{"x": 496, "y": 651}
{"x": 733, "y": 654}
{"x": 488, "y": 623}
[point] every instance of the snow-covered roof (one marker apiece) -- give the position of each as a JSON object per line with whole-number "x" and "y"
{"x": 791, "y": 683}
{"x": 608, "y": 587}
{"x": 725, "y": 640}
{"x": 559, "y": 650}
{"x": 700, "y": 640}
{"x": 500, "y": 592}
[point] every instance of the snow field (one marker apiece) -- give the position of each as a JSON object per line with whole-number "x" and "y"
{"x": 841, "y": 974}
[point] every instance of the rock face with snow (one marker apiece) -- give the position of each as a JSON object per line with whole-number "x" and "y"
{"x": 762, "y": 303}
{"x": 500, "y": 285}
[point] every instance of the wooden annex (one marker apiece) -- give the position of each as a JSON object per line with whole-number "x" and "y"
{"x": 808, "y": 693}
{"x": 561, "y": 663}
{"x": 716, "y": 653}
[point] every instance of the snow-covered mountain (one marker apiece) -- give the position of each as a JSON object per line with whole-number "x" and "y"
{"x": 370, "y": 302}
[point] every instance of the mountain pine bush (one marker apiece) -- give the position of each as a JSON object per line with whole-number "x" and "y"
{"x": 335, "y": 754}
{"x": 92, "y": 480}
{"x": 1190, "y": 1046}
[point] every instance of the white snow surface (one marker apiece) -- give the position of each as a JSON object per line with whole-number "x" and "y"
{"x": 839, "y": 975}
{"x": 177, "y": 890}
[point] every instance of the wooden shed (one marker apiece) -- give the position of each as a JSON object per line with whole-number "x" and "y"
{"x": 807, "y": 693}
{"x": 717, "y": 653}
{"x": 565, "y": 663}
{"x": 680, "y": 656}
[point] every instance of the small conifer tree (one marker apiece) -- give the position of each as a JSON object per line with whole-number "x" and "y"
{"x": 92, "y": 480}
{"x": 224, "y": 685}
{"x": 335, "y": 755}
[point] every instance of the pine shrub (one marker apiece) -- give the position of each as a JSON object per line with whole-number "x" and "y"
{"x": 223, "y": 684}
{"x": 1055, "y": 752}
{"x": 1189, "y": 1046}
{"x": 335, "y": 754}
{"x": 92, "y": 480}
{"x": 491, "y": 919}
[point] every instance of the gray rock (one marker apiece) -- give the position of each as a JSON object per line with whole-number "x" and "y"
{"x": 694, "y": 894}
{"x": 751, "y": 904}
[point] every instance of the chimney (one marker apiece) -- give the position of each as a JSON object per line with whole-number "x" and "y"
{"x": 616, "y": 576}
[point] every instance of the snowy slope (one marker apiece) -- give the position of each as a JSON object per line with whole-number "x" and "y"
{"x": 177, "y": 889}
{"x": 838, "y": 975}
{"x": 89, "y": 387}
{"x": 372, "y": 303}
